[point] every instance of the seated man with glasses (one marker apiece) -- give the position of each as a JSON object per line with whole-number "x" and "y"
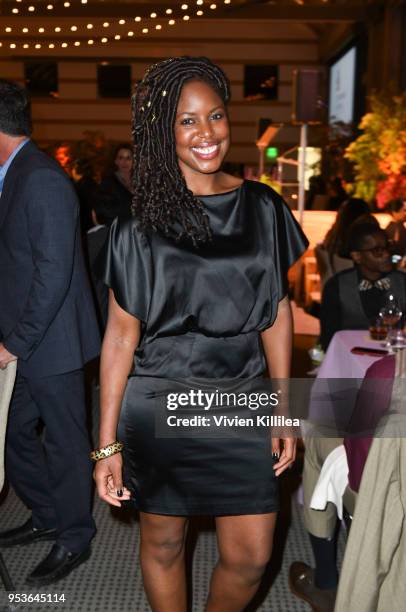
{"x": 353, "y": 298}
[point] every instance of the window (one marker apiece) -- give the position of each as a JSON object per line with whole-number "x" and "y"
{"x": 114, "y": 81}
{"x": 260, "y": 82}
{"x": 41, "y": 78}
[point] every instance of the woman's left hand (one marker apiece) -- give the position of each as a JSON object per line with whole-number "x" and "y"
{"x": 286, "y": 454}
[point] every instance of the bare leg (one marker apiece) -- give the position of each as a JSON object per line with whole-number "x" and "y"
{"x": 245, "y": 546}
{"x": 162, "y": 561}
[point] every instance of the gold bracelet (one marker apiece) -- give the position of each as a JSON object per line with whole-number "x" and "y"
{"x": 106, "y": 451}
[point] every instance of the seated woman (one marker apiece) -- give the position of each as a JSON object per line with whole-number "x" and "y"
{"x": 332, "y": 254}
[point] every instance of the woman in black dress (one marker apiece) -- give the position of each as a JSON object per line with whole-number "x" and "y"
{"x": 198, "y": 291}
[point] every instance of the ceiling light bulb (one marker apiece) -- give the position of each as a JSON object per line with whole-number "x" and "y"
{"x": 31, "y": 9}
{"x": 199, "y": 2}
{"x": 83, "y": 1}
{"x": 12, "y": 46}
{"x": 74, "y": 28}
{"x": 15, "y": 11}
{"x": 41, "y": 30}
{"x": 64, "y": 45}
{"x": 106, "y": 24}
{"x": 199, "y": 13}
{"x": 186, "y": 17}
{"x": 130, "y": 33}
{"x": 171, "y": 22}
{"x": 117, "y": 37}
{"x": 137, "y": 18}
{"x": 153, "y": 15}
{"x": 184, "y": 7}
{"x": 158, "y": 26}
{"x": 38, "y": 46}
{"x": 213, "y": 6}
{"x": 76, "y": 43}
{"x": 122, "y": 21}
{"x": 8, "y": 29}
{"x": 25, "y": 30}
{"x": 227, "y": 1}
{"x": 145, "y": 30}
{"x": 169, "y": 11}
{"x": 66, "y": 5}
{"x": 89, "y": 26}
{"x": 90, "y": 42}
{"x": 57, "y": 29}
{"x": 50, "y": 7}
{"x": 104, "y": 40}
{"x": 26, "y": 46}
{"x": 51, "y": 45}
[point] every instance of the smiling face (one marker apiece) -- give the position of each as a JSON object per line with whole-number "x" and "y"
{"x": 124, "y": 161}
{"x": 202, "y": 131}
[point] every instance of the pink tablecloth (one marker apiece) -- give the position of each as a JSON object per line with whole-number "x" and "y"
{"x": 335, "y": 389}
{"x": 339, "y": 362}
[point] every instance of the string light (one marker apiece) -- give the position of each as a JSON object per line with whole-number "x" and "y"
{"x": 90, "y": 26}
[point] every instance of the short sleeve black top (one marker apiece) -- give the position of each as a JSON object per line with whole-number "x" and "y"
{"x": 202, "y": 308}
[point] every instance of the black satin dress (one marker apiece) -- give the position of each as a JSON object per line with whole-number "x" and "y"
{"x": 202, "y": 311}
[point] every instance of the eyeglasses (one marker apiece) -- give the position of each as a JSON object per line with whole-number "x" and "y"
{"x": 378, "y": 251}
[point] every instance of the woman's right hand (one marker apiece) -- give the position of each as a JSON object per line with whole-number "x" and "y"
{"x": 108, "y": 475}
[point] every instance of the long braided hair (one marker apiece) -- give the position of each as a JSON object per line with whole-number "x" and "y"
{"x": 162, "y": 202}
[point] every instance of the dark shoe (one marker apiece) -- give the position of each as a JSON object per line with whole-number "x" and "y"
{"x": 301, "y": 583}
{"x": 56, "y": 565}
{"x": 25, "y": 534}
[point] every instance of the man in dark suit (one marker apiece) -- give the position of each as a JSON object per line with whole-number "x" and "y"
{"x": 47, "y": 323}
{"x": 353, "y": 298}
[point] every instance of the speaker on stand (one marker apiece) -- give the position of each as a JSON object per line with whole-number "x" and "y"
{"x": 308, "y": 108}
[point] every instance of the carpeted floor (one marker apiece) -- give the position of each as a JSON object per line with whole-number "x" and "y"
{"x": 111, "y": 580}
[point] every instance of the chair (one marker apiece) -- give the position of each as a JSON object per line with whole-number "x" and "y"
{"x": 7, "y": 378}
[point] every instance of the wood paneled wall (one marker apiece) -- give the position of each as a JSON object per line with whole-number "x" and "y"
{"x": 230, "y": 43}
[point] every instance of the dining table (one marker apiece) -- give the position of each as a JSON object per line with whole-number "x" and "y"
{"x": 339, "y": 377}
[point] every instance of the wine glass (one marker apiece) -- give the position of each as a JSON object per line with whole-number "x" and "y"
{"x": 390, "y": 314}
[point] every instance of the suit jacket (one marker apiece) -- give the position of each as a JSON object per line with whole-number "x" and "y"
{"x": 47, "y": 317}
